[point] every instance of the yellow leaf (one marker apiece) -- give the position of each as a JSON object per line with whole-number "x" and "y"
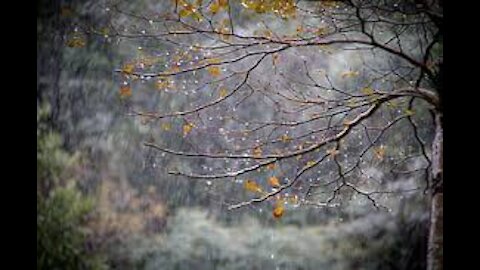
{"x": 166, "y": 126}
{"x": 213, "y": 60}
{"x": 257, "y": 152}
{"x": 76, "y": 42}
{"x": 321, "y": 31}
{"x": 409, "y": 112}
{"x": 214, "y": 8}
{"x": 392, "y": 104}
{"x": 349, "y": 74}
{"x": 275, "y": 59}
{"x": 379, "y": 152}
{"x": 128, "y": 68}
{"x": 278, "y": 211}
{"x": 267, "y": 33}
{"x": 187, "y": 128}
{"x": 273, "y": 181}
{"x": 197, "y": 16}
{"x": 252, "y": 186}
{"x": 125, "y": 91}
{"x": 311, "y": 163}
{"x": 293, "y": 199}
{"x": 174, "y": 69}
{"x": 214, "y": 71}
{"x": 367, "y": 91}
{"x": 285, "y": 138}
{"x": 184, "y": 13}
{"x": 330, "y": 3}
{"x": 164, "y": 84}
{"x": 299, "y": 29}
{"x": 223, "y": 92}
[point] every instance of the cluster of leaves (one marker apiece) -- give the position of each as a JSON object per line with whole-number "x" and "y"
{"x": 283, "y": 8}
{"x": 62, "y": 210}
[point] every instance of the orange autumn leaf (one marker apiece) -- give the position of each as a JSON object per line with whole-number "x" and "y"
{"x": 379, "y": 152}
{"x": 257, "y": 152}
{"x": 214, "y": 71}
{"x": 252, "y": 186}
{"x": 128, "y": 68}
{"x": 223, "y": 3}
{"x": 187, "y": 128}
{"x": 273, "y": 181}
{"x": 76, "y": 42}
{"x": 278, "y": 211}
{"x": 125, "y": 91}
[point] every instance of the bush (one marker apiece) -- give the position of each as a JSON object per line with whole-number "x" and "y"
{"x": 61, "y": 208}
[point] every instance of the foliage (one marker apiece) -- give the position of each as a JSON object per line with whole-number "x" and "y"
{"x": 195, "y": 240}
{"x": 61, "y": 208}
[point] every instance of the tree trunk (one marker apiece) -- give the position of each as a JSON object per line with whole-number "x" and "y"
{"x": 435, "y": 241}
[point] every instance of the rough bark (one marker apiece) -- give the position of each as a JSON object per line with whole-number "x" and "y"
{"x": 435, "y": 243}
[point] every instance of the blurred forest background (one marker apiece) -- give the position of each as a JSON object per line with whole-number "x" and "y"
{"x": 104, "y": 201}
